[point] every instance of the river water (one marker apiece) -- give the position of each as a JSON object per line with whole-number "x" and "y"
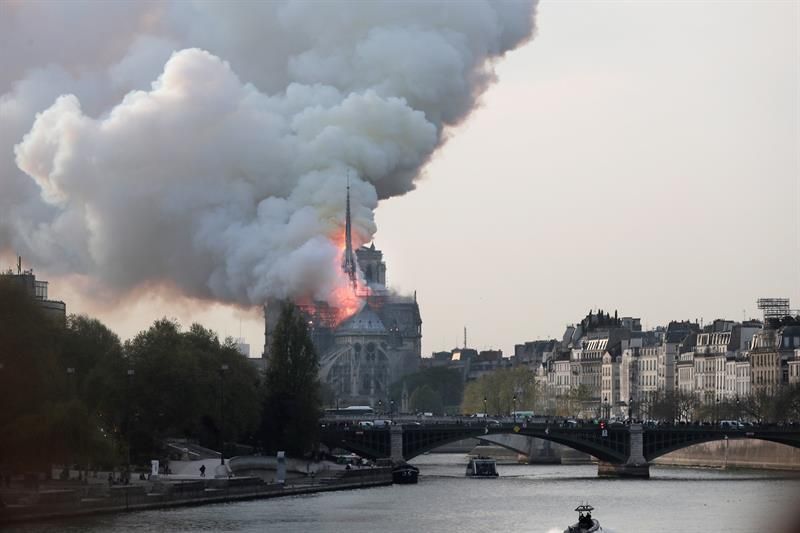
{"x": 524, "y": 499}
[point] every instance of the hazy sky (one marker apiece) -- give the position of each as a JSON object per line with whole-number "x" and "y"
{"x": 639, "y": 156}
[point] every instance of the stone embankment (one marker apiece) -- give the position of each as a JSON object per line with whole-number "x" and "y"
{"x": 735, "y": 454}
{"x": 53, "y": 502}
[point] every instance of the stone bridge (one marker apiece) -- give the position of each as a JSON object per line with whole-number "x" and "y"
{"x": 621, "y": 450}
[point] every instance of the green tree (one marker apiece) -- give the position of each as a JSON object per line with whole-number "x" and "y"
{"x": 446, "y": 382}
{"x": 175, "y": 389}
{"x": 292, "y": 403}
{"x": 499, "y": 389}
{"x": 426, "y": 400}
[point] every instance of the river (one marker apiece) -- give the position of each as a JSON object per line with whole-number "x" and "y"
{"x": 524, "y": 499}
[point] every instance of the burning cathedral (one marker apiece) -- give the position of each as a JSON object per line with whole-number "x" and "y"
{"x": 369, "y": 344}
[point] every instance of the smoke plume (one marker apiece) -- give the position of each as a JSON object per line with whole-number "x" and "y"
{"x": 207, "y": 145}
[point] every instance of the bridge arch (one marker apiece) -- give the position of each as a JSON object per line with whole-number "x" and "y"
{"x": 654, "y": 447}
{"x": 615, "y": 445}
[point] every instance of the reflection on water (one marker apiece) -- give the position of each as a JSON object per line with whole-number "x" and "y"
{"x": 537, "y": 499}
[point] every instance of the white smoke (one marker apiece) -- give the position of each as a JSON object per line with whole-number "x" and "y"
{"x": 207, "y": 145}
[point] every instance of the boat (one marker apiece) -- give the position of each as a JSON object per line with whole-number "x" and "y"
{"x": 481, "y": 467}
{"x": 405, "y": 474}
{"x": 585, "y": 524}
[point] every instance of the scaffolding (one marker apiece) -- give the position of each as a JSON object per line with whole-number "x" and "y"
{"x": 774, "y": 308}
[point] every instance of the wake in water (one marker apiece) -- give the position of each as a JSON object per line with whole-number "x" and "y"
{"x": 561, "y": 530}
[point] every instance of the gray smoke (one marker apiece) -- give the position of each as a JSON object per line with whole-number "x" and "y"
{"x": 206, "y": 146}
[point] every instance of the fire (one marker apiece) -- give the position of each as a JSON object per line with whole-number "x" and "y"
{"x": 346, "y": 303}
{"x": 346, "y": 299}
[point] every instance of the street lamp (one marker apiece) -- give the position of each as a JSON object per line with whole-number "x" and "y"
{"x": 222, "y": 369}
{"x": 605, "y": 407}
{"x": 70, "y": 373}
{"x": 380, "y": 407}
{"x": 485, "y": 414}
{"x": 515, "y": 408}
{"x": 716, "y": 412}
{"x": 391, "y": 408}
{"x": 128, "y": 423}
{"x": 630, "y": 409}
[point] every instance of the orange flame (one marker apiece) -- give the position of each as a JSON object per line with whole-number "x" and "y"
{"x": 347, "y": 300}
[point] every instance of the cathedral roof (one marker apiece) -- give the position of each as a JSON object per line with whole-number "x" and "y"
{"x": 363, "y": 322}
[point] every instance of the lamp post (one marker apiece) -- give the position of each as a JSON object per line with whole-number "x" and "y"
{"x": 485, "y": 414}
{"x": 515, "y": 408}
{"x": 128, "y": 423}
{"x": 605, "y": 407}
{"x": 716, "y": 412}
{"x": 630, "y": 409}
{"x": 391, "y": 409}
{"x": 222, "y": 369}
{"x": 380, "y": 407}
{"x": 71, "y": 385}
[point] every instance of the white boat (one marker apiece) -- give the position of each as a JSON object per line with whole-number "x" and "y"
{"x": 481, "y": 467}
{"x": 585, "y": 524}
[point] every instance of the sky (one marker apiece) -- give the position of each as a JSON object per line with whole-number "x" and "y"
{"x": 633, "y": 156}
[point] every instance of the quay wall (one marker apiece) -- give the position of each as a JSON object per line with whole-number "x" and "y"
{"x": 735, "y": 454}
{"x": 61, "y": 504}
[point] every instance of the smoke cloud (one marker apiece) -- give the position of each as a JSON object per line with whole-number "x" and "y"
{"x": 206, "y": 146}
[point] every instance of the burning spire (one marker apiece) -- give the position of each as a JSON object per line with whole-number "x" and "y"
{"x": 348, "y": 261}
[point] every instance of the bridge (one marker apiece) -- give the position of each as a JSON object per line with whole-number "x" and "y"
{"x": 622, "y": 451}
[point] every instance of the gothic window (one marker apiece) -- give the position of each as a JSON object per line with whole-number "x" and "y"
{"x": 368, "y": 273}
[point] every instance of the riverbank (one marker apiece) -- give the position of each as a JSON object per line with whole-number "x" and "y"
{"x": 59, "y": 503}
{"x": 735, "y": 454}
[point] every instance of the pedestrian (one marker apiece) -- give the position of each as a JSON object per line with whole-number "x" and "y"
{"x": 202, "y": 470}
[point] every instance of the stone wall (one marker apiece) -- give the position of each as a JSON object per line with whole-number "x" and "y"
{"x": 735, "y": 454}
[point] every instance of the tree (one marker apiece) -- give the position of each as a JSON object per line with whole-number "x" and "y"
{"x": 499, "y": 389}
{"x": 292, "y": 404}
{"x": 175, "y": 390}
{"x": 424, "y": 399}
{"x": 446, "y": 382}
{"x": 577, "y": 398}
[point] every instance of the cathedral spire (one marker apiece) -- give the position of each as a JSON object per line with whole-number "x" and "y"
{"x": 348, "y": 261}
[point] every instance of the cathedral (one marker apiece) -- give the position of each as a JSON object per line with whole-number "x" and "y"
{"x": 360, "y": 356}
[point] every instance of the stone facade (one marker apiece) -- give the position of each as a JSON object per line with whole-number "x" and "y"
{"x": 364, "y": 354}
